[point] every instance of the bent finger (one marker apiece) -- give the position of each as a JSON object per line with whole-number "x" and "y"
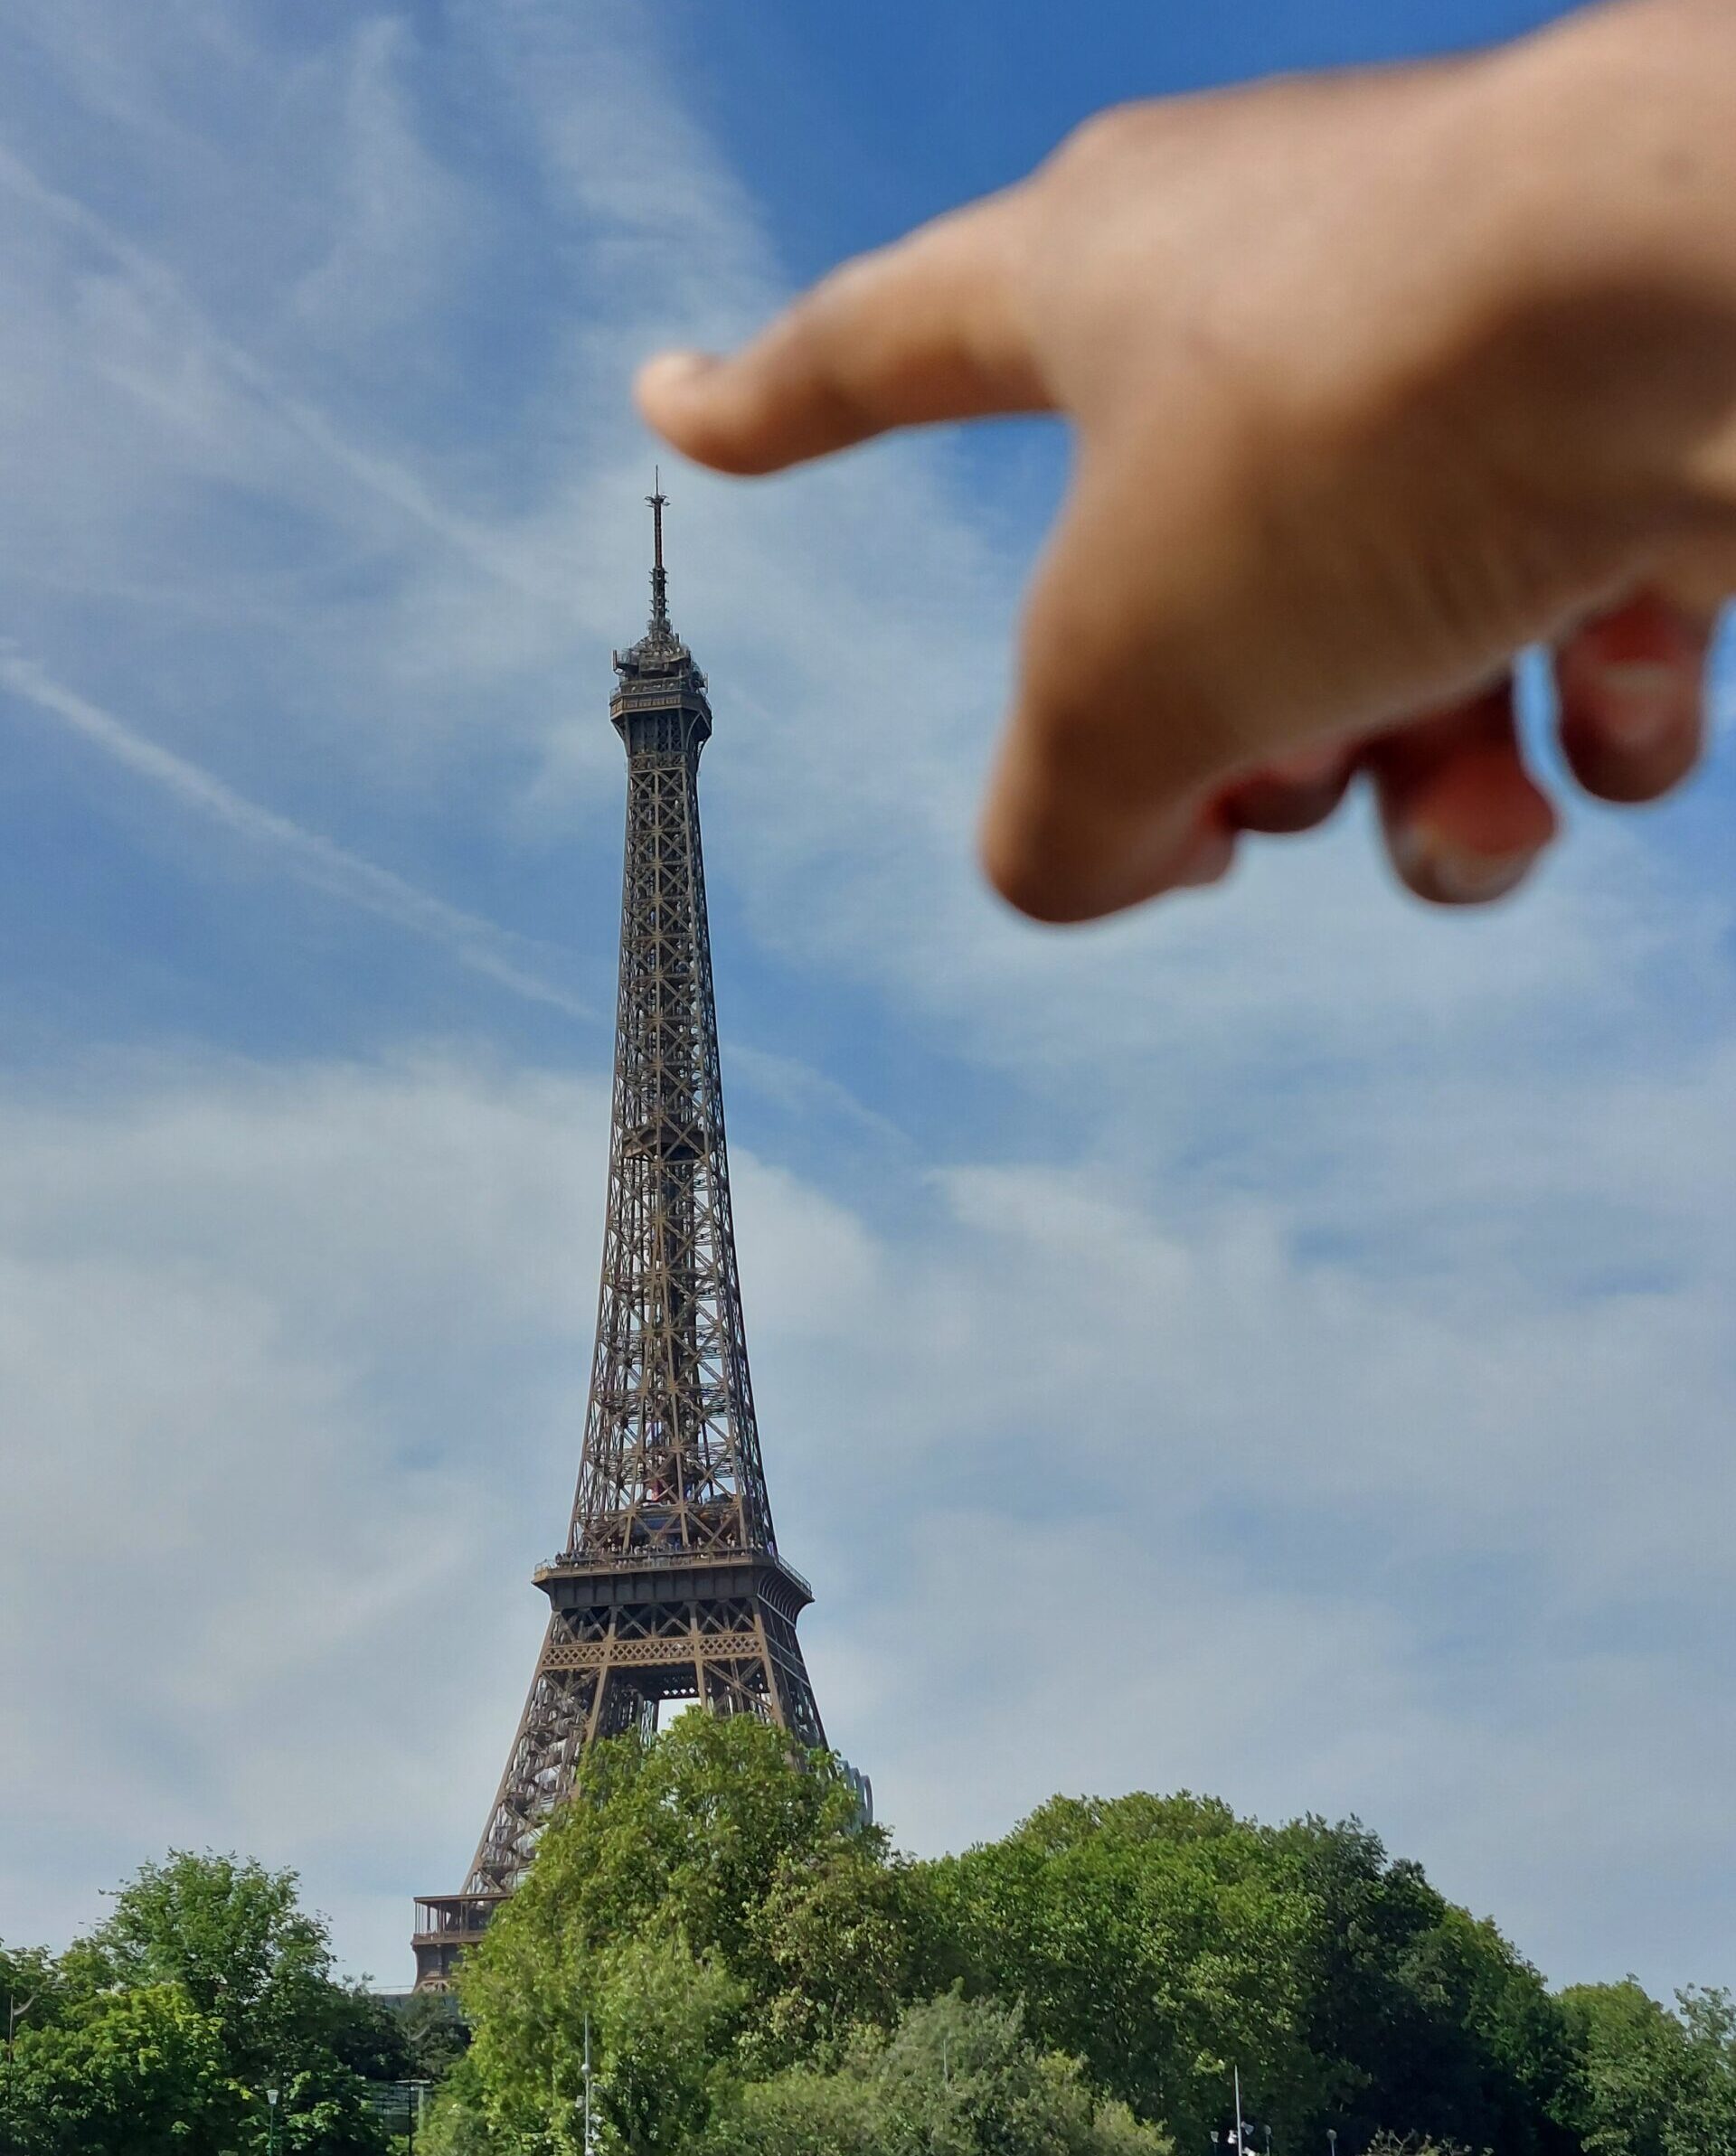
{"x": 1118, "y": 735}
{"x": 1631, "y": 689}
{"x": 1463, "y": 821}
{"x": 1294, "y": 794}
{"x": 926, "y": 329}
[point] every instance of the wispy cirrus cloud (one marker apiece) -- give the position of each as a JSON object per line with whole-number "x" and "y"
{"x": 1329, "y": 1537}
{"x": 1334, "y": 1292}
{"x": 316, "y": 861}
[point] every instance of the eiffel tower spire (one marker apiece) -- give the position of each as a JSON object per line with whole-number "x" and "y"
{"x": 669, "y": 1585}
{"x": 657, "y": 501}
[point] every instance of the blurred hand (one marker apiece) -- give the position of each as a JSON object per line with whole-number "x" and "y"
{"x": 1377, "y": 378}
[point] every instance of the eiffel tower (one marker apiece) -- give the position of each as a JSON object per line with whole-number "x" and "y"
{"x": 670, "y": 1585}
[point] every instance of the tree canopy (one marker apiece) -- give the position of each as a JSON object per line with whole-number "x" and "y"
{"x": 164, "y": 2027}
{"x": 761, "y": 1972}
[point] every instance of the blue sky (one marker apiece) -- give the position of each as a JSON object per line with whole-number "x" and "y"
{"x": 1277, "y": 1345}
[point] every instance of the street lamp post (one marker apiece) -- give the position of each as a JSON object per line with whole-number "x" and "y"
{"x": 590, "y": 2136}
{"x": 14, "y": 2015}
{"x": 271, "y": 2113}
{"x": 1332, "y": 2140}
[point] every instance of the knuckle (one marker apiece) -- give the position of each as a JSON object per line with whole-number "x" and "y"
{"x": 1103, "y": 138}
{"x": 803, "y": 334}
{"x": 850, "y": 299}
{"x": 839, "y": 294}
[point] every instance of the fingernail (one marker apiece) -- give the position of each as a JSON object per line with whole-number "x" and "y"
{"x": 1307, "y": 767}
{"x": 1206, "y": 860}
{"x": 674, "y": 369}
{"x": 1640, "y": 703}
{"x": 1454, "y": 875}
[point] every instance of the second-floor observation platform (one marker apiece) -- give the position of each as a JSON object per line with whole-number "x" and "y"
{"x": 580, "y": 1575}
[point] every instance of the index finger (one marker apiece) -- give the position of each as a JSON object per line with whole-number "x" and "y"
{"x": 928, "y": 328}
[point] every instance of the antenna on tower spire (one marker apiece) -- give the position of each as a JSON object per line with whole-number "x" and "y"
{"x": 659, "y": 502}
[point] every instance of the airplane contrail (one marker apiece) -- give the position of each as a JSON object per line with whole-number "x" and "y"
{"x": 481, "y": 944}
{"x": 379, "y": 475}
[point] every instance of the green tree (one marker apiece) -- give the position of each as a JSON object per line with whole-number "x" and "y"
{"x": 1702, "y": 2114}
{"x": 1631, "y": 2060}
{"x": 693, "y": 1825}
{"x": 742, "y": 1943}
{"x": 221, "y": 1950}
{"x": 1361, "y": 2018}
{"x": 457, "y": 2121}
{"x": 1654, "y": 2083}
{"x": 33, "y": 1996}
{"x": 34, "y": 1989}
{"x": 721, "y": 1836}
{"x": 843, "y": 1940}
{"x": 959, "y": 2077}
{"x": 661, "y": 2023}
{"x": 236, "y": 1940}
{"x": 1165, "y": 1940}
{"x": 136, "y": 2073}
{"x": 1488, "y": 2060}
{"x": 1159, "y": 1940}
{"x": 434, "y": 2035}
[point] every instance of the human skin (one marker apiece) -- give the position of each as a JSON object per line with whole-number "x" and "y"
{"x": 1376, "y": 379}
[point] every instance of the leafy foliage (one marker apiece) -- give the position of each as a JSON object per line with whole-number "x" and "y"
{"x": 207, "y": 1985}
{"x": 762, "y": 1975}
{"x": 430, "y": 2036}
{"x": 132, "y": 2075}
{"x": 1654, "y": 2083}
{"x": 32, "y": 1988}
{"x": 748, "y": 1878}
{"x": 1154, "y": 1939}
{"x": 958, "y": 2077}
{"x": 661, "y": 2013}
{"x": 1630, "y": 2052}
{"x": 717, "y": 1909}
{"x": 1164, "y": 1939}
{"x": 1702, "y": 2115}
{"x": 1416, "y": 2013}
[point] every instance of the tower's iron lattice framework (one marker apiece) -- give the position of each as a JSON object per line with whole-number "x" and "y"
{"x": 670, "y": 1585}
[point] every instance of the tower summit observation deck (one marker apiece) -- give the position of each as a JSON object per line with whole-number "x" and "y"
{"x": 669, "y": 1585}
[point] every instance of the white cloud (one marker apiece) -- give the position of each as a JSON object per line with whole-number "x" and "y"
{"x": 403, "y": 230}
{"x": 1117, "y": 1507}
{"x": 1336, "y": 1342}
{"x": 284, "y": 1357}
{"x": 480, "y": 944}
{"x": 295, "y": 1358}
